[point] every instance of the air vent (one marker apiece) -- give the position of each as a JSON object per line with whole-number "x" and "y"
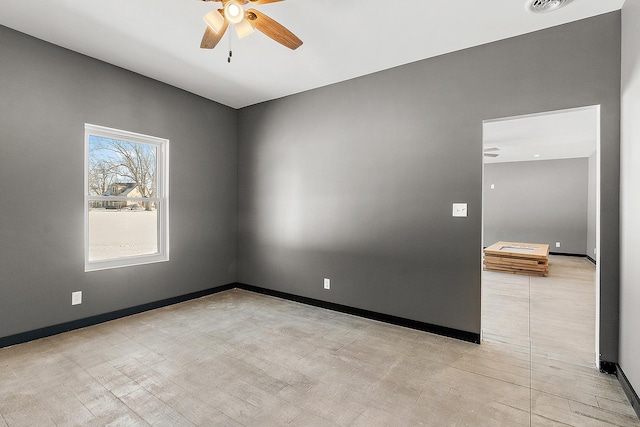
{"x": 543, "y": 6}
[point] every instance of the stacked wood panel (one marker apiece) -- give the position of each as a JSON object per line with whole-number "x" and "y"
{"x": 530, "y": 259}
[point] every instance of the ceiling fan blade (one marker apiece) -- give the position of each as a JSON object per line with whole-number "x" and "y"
{"x": 272, "y": 29}
{"x": 210, "y": 38}
{"x": 263, "y": 1}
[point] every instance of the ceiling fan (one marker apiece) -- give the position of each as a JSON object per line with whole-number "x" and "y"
{"x": 490, "y": 152}
{"x": 244, "y": 21}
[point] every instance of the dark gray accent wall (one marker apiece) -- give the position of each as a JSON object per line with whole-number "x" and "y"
{"x": 630, "y": 206}
{"x": 538, "y": 202}
{"x": 355, "y": 181}
{"x": 47, "y": 94}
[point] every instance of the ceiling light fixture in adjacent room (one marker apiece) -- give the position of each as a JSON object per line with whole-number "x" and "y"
{"x": 544, "y": 6}
{"x": 491, "y": 152}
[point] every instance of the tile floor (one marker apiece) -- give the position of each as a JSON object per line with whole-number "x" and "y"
{"x": 242, "y": 359}
{"x": 545, "y": 326}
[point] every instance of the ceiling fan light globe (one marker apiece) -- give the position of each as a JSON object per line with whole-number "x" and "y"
{"x": 244, "y": 28}
{"x": 214, "y": 20}
{"x": 234, "y": 12}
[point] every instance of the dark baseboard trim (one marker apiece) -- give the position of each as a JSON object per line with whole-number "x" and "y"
{"x": 386, "y": 318}
{"x": 608, "y": 367}
{"x": 101, "y": 318}
{"x": 106, "y": 317}
{"x": 573, "y": 255}
{"x": 628, "y": 390}
{"x": 567, "y": 254}
{"x": 564, "y": 254}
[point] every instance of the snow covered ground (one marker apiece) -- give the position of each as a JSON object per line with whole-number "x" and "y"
{"x": 115, "y": 234}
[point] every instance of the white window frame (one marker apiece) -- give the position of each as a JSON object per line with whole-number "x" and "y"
{"x": 162, "y": 197}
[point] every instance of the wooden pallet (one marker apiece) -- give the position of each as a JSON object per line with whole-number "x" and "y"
{"x": 530, "y": 259}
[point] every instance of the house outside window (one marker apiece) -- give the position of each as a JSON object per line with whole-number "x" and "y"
{"x": 126, "y": 198}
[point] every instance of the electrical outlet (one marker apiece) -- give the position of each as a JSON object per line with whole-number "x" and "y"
{"x": 557, "y": 244}
{"x": 493, "y": 186}
{"x": 76, "y": 298}
{"x": 327, "y": 283}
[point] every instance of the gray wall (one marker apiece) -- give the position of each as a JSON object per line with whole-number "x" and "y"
{"x": 539, "y": 202}
{"x": 630, "y": 207}
{"x": 355, "y": 181}
{"x": 46, "y": 96}
{"x": 592, "y": 206}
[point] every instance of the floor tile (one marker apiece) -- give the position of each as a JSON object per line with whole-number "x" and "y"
{"x": 243, "y": 359}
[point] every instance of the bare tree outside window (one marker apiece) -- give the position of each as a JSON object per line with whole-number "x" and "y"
{"x": 112, "y": 161}
{"x": 101, "y": 175}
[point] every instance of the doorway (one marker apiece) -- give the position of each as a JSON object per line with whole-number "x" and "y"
{"x": 541, "y": 184}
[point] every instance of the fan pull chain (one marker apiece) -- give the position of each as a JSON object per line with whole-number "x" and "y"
{"x": 230, "y": 50}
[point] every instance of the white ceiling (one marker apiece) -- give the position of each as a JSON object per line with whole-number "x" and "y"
{"x": 562, "y": 134}
{"x": 342, "y": 39}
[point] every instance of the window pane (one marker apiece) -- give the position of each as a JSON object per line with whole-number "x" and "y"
{"x": 122, "y": 228}
{"x": 121, "y": 168}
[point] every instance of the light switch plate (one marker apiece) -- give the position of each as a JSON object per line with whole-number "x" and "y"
{"x": 460, "y": 209}
{"x": 76, "y": 298}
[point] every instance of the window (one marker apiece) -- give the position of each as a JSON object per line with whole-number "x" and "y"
{"x": 126, "y": 198}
